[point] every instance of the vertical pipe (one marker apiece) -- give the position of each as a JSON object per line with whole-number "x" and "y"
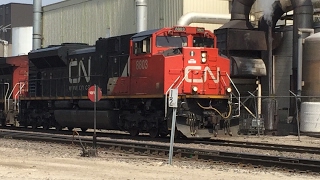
{"x": 141, "y": 15}
{"x": 299, "y": 68}
{"x": 5, "y": 47}
{"x": 259, "y": 97}
{"x": 302, "y": 18}
{"x": 300, "y": 55}
{"x": 270, "y": 61}
{"x": 37, "y": 24}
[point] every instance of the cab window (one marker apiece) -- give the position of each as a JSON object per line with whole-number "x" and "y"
{"x": 203, "y": 42}
{"x": 171, "y": 41}
{"x": 142, "y": 47}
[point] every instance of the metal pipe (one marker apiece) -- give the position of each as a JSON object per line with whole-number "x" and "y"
{"x": 240, "y": 15}
{"x": 300, "y": 54}
{"x": 141, "y": 15}
{"x": 259, "y": 91}
{"x": 270, "y": 61}
{"x": 37, "y": 24}
{"x": 241, "y": 9}
{"x": 193, "y": 17}
{"x": 5, "y": 47}
{"x": 302, "y": 18}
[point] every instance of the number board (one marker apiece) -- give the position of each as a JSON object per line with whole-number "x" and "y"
{"x": 173, "y": 98}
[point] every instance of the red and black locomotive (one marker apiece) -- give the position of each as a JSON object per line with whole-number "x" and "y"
{"x": 135, "y": 73}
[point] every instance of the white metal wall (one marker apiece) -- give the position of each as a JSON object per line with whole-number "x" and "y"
{"x": 21, "y": 40}
{"x": 87, "y": 20}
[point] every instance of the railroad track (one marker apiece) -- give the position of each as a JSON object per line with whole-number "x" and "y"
{"x": 147, "y": 149}
{"x": 264, "y": 146}
{"x": 213, "y": 142}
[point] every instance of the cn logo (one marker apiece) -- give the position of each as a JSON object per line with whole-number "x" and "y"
{"x": 81, "y": 68}
{"x": 206, "y": 70}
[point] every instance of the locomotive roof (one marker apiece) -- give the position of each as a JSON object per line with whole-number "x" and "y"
{"x": 140, "y": 36}
{"x": 84, "y": 50}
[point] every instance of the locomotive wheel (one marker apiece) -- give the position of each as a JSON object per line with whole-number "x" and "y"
{"x": 45, "y": 126}
{"x": 84, "y": 129}
{"x": 3, "y": 123}
{"x": 154, "y": 132}
{"x": 58, "y": 127}
{"x": 163, "y": 135}
{"x": 133, "y": 131}
{"x": 34, "y": 125}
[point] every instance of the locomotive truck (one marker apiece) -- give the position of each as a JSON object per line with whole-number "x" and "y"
{"x": 135, "y": 73}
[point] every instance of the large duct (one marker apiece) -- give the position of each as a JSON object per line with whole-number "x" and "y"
{"x": 141, "y": 15}
{"x": 279, "y": 7}
{"x": 240, "y": 15}
{"x": 194, "y": 17}
{"x": 37, "y": 24}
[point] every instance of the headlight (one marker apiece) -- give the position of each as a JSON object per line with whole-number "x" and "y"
{"x": 203, "y": 57}
{"x": 195, "y": 88}
{"x": 229, "y": 89}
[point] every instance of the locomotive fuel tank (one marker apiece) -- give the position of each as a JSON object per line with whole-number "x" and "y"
{"x": 84, "y": 118}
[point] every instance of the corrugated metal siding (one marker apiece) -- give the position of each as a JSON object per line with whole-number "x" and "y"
{"x": 86, "y": 21}
{"x": 163, "y": 13}
{"x": 206, "y": 6}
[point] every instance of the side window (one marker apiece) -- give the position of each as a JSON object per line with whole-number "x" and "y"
{"x": 142, "y": 47}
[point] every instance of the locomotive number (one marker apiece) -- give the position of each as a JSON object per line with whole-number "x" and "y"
{"x": 141, "y": 64}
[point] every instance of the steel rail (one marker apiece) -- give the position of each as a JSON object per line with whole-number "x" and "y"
{"x": 213, "y": 142}
{"x": 293, "y": 164}
{"x": 264, "y": 146}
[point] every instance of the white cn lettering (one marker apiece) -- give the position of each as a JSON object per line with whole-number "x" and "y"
{"x": 81, "y": 68}
{"x": 206, "y": 70}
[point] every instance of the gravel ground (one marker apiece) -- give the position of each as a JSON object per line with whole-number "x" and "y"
{"x": 35, "y": 160}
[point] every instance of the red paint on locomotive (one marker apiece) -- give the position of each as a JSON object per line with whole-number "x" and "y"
{"x": 20, "y": 69}
{"x": 198, "y": 66}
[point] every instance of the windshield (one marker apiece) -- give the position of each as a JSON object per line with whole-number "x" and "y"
{"x": 202, "y": 42}
{"x": 171, "y": 41}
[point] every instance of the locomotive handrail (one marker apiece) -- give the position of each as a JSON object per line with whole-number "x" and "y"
{"x": 5, "y": 96}
{"x": 186, "y": 74}
{"x": 166, "y": 100}
{"x": 15, "y": 97}
{"x": 8, "y": 97}
{"x": 239, "y": 98}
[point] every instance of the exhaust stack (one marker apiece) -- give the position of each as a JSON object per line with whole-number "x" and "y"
{"x": 141, "y": 15}
{"x": 37, "y": 24}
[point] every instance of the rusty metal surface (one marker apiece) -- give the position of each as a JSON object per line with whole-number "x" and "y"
{"x": 247, "y": 66}
{"x": 238, "y": 39}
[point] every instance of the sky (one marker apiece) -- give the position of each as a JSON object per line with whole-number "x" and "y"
{"x": 44, "y": 2}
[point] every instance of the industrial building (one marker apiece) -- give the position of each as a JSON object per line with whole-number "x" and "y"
{"x": 15, "y": 23}
{"x": 87, "y": 20}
